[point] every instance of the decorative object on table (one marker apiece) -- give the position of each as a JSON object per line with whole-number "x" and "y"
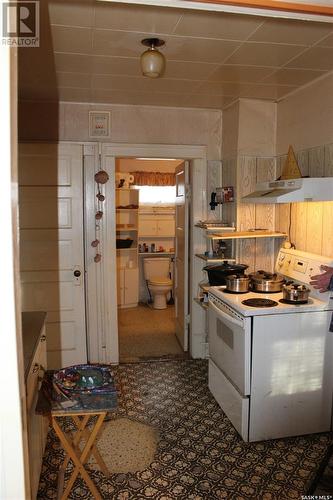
{"x": 291, "y": 169}
{"x": 84, "y": 377}
{"x": 87, "y": 384}
{"x": 101, "y": 177}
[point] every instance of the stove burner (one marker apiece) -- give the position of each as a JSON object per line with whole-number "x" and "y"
{"x": 232, "y": 291}
{"x": 296, "y": 302}
{"x": 260, "y": 291}
{"x": 259, "y": 302}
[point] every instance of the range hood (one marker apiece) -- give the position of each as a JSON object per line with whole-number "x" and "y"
{"x": 292, "y": 190}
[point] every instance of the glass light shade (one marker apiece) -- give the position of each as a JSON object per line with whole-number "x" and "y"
{"x": 152, "y": 63}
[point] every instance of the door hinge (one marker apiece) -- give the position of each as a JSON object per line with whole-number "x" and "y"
{"x": 187, "y": 319}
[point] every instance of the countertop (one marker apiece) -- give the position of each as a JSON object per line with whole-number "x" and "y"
{"x": 32, "y": 323}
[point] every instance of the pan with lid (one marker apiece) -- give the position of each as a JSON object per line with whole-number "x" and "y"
{"x": 265, "y": 282}
{"x": 217, "y": 273}
{"x": 237, "y": 283}
{"x": 295, "y": 294}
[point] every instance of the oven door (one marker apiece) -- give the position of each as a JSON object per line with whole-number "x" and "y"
{"x": 229, "y": 337}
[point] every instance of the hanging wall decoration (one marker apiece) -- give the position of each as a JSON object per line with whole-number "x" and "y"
{"x": 101, "y": 177}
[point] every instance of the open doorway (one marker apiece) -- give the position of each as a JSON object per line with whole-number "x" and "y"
{"x": 146, "y": 250}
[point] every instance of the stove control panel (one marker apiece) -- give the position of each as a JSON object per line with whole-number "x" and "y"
{"x": 300, "y": 266}
{"x": 283, "y": 263}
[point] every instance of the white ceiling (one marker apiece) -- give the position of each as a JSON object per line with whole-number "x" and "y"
{"x": 90, "y": 52}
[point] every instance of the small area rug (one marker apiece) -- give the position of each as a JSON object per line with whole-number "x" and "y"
{"x": 126, "y": 446}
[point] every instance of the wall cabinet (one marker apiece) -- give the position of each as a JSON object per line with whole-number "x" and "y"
{"x": 128, "y": 287}
{"x": 160, "y": 226}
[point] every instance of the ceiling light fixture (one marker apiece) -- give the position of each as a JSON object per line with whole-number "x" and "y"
{"x": 152, "y": 61}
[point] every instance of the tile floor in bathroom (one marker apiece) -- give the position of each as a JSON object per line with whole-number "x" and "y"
{"x": 146, "y": 333}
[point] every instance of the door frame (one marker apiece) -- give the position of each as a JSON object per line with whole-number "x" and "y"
{"x": 105, "y": 310}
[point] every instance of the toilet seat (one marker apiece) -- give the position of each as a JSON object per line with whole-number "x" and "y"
{"x": 160, "y": 281}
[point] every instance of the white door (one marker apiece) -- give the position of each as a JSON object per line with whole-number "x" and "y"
{"x": 181, "y": 256}
{"x": 51, "y": 242}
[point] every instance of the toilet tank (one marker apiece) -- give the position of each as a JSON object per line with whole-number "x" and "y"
{"x": 158, "y": 267}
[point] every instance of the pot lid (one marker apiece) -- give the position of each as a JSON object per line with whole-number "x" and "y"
{"x": 295, "y": 286}
{"x": 237, "y": 277}
{"x": 266, "y": 277}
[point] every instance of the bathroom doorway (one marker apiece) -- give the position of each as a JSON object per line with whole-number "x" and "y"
{"x": 145, "y": 240}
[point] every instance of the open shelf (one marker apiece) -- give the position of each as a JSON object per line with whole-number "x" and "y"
{"x": 127, "y": 209}
{"x": 125, "y": 229}
{"x": 214, "y": 259}
{"x": 131, "y": 249}
{"x": 246, "y": 234}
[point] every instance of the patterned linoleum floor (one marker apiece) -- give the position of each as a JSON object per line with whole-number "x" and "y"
{"x": 199, "y": 455}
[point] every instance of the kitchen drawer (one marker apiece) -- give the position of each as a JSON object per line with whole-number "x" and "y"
{"x": 37, "y": 369}
{"x": 235, "y": 406}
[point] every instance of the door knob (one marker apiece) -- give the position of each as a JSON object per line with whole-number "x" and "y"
{"x": 77, "y": 273}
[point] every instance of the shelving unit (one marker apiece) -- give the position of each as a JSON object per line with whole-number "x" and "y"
{"x": 127, "y": 223}
{"x": 246, "y": 234}
{"x": 229, "y": 235}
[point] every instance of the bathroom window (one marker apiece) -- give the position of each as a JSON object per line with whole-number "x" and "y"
{"x": 157, "y": 195}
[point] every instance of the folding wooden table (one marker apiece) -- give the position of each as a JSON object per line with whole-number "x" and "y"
{"x": 56, "y": 405}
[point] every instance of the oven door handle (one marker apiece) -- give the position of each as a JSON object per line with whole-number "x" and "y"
{"x": 226, "y": 316}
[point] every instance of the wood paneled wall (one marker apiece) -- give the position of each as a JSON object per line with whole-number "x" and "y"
{"x": 310, "y": 225}
{"x": 243, "y": 173}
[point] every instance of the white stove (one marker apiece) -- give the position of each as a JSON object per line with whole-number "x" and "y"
{"x": 235, "y": 301}
{"x": 292, "y": 265}
{"x": 270, "y": 368}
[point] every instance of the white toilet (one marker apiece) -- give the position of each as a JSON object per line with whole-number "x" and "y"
{"x": 156, "y": 273}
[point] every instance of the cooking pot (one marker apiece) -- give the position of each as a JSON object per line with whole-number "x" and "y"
{"x": 265, "y": 282}
{"x": 237, "y": 283}
{"x": 218, "y": 272}
{"x": 297, "y": 294}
